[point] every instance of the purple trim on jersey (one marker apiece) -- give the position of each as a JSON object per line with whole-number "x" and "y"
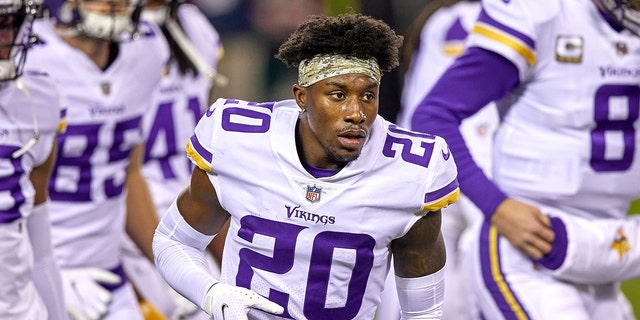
{"x": 558, "y": 253}
{"x": 318, "y": 172}
{"x": 486, "y": 19}
{"x": 487, "y": 250}
{"x": 315, "y": 172}
{"x": 442, "y": 192}
{"x": 206, "y": 155}
{"x": 456, "y": 32}
{"x": 119, "y": 270}
{"x": 473, "y": 80}
{"x": 36, "y": 73}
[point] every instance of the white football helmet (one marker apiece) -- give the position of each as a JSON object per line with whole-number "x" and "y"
{"x": 102, "y": 19}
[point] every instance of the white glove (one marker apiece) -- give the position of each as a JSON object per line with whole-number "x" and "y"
{"x": 225, "y": 302}
{"x": 184, "y": 307}
{"x": 85, "y": 298}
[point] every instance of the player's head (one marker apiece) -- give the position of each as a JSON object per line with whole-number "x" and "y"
{"x": 625, "y": 12}
{"x": 100, "y": 19}
{"x": 16, "y": 18}
{"x": 340, "y": 61}
{"x": 164, "y": 13}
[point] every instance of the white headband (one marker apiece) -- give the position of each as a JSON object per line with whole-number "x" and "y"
{"x": 325, "y": 66}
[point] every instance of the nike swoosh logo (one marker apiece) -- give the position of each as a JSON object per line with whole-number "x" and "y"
{"x": 446, "y": 155}
{"x": 223, "y": 315}
{"x": 210, "y": 112}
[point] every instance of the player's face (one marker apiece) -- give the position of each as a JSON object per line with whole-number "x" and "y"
{"x": 339, "y": 113}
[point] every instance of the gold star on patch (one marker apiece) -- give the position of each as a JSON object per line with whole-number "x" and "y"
{"x": 621, "y": 244}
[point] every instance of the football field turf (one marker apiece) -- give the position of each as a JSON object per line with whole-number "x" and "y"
{"x": 632, "y": 287}
{"x": 632, "y": 290}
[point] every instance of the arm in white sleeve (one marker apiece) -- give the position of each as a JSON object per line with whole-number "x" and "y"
{"x": 179, "y": 252}
{"x": 46, "y": 273}
{"x": 421, "y": 298}
{"x": 594, "y": 251}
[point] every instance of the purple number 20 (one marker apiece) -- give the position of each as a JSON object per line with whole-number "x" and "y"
{"x": 318, "y": 278}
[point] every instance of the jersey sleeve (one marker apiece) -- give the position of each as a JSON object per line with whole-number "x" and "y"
{"x": 199, "y": 147}
{"x": 442, "y": 184}
{"x": 511, "y": 27}
{"x": 594, "y": 251}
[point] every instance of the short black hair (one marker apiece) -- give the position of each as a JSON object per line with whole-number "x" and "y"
{"x": 350, "y": 34}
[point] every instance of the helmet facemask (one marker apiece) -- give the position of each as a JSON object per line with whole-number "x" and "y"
{"x": 16, "y": 21}
{"x": 101, "y": 19}
{"x": 108, "y": 24}
{"x": 156, "y": 12}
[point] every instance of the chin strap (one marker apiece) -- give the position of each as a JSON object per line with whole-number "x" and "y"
{"x": 192, "y": 53}
{"x": 36, "y": 132}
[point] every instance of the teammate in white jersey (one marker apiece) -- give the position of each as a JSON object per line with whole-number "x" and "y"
{"x": 320, "y": 191}
{"x": 108, "y": 67}
{"x": 179, "y": 101}
{"x": 435, "y": 39}
{"x": 556, "y": 240}
{"x": 32, "y": 112}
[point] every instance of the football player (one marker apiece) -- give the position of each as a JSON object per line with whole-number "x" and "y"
{"x": 320, "y": 191}
{"x": 565, "y": 160}
{"x": 108, "y": 64}
{"x": 181, "y": 98}
{"x": 32, "y": 114}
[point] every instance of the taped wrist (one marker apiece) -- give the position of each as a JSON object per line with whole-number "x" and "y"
{"x": 421, "y": 298}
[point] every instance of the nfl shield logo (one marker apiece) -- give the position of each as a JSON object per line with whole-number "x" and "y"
{"x": 313, "y": 193}
{"x": 106, "y": 88}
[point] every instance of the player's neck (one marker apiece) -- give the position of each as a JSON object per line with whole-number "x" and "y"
{"x": 313, "y": 158}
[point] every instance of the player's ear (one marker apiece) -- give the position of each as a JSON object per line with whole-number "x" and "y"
{"x": 300, "y": 94}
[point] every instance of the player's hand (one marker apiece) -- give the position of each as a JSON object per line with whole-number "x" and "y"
{"x": 225, "y": 302}
{"x": 85, "y": 298}
{"x": 528, "y": 229}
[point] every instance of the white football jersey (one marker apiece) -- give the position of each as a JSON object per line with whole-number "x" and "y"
{"x": 317, "y": 246}
{"x": 572, "y": 138}
{"x": 442, "y": 39}
{"x": 17, "y": 125}
{"x": 87, "y": 187}
{"x": 178, "y": 104}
